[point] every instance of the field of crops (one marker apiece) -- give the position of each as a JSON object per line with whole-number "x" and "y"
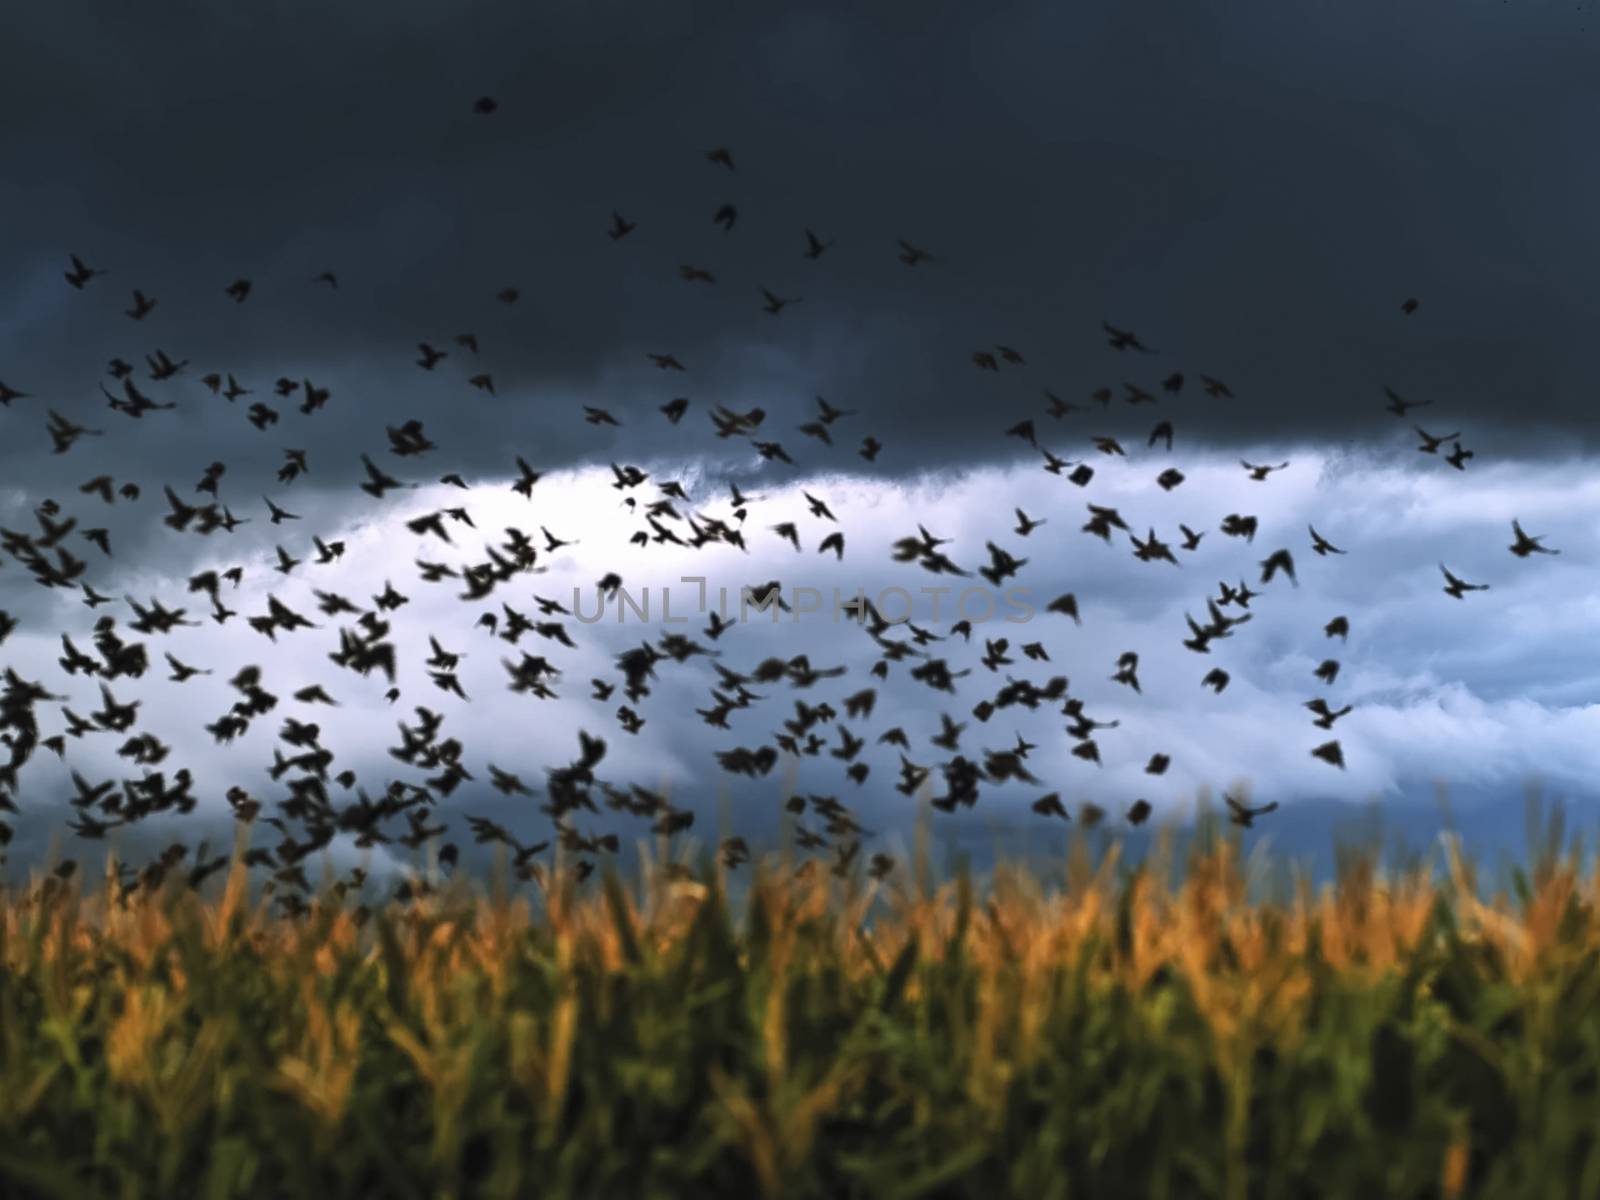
{"x": 1104, "y": 1033}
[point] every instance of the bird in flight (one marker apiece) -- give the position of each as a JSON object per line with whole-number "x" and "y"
{"x": 81, "y": 274}
{"x": 1244, "y": 816}
{"x": 1526, "y": 545}
{"x": 1026, "y": 524}
{"x": 1260, "y": 473}
{"x": 1152, "y": 549}
{"x": 1321, "y": 544}
{"x": 1278, "y": 560}
{"x": 1326, "y": 716}
{"x": 1399, "y": 407}
{"x": 1458, "y": 587}
{"x": 911, "y": 255}
{"x": 776, "y": 304}
{"x": 1123, "y": 339}
{"x": 1330, "y": 753}
{"x": 1430, "y": 443}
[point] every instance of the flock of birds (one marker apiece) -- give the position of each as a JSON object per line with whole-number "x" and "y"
{"x": 316, "y": 802}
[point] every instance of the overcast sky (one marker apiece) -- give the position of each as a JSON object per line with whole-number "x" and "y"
{"x": 1253, "y": 188}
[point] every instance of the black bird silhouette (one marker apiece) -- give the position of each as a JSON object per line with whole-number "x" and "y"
{"x": 1458, "y": 587}
{"x": 1059, "y": 407}
{"x": 1399, "y": 407}
{"x": 1526, "y": 545}
{"x": 1326, "y": 716}
{"x": 787, "y": 530}
{"x": 1235, "y": 525}
{"x": 81, "y": 274}
{"x": 1152, "y": 549}
{"x": 377, "y": 482}
{"x": 1123, "y": 339}
{"x": 1431, "y": 444}
{"x": 1278, "y": 560}
{"x": 620, "y": 228}
{"x": 1321, "y": 544}
{"x": 1051, "y": 806}
{"x": 485, "y": 105}
{"x": 1243, "y": 815}
{"x": 1260, "y": 473}
{"x": 1067, "y": 605}
{"x": 1331, "y": 753}
{"x": 815, "y": 246}
{"x": 523, "y": 486}
{"x": 279, "y": 515}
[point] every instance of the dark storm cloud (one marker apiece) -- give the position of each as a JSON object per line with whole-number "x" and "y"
{"x": 1253, "y": 189}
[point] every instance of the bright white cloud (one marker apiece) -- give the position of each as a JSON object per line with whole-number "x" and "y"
{"x": 1482, "y": 691}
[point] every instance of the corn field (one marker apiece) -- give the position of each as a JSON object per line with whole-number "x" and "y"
{"x": 1111, "y": 1032}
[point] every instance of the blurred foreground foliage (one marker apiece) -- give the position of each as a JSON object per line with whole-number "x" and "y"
{"x": 1112, "y": 1032}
